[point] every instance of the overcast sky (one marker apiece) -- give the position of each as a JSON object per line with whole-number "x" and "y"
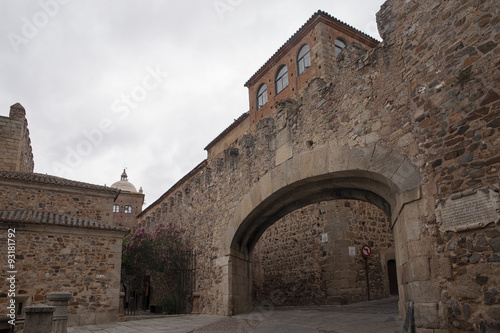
{"x": 141, "y": 84}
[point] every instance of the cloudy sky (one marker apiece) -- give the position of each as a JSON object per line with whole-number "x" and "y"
{"x": 141, "y": 84}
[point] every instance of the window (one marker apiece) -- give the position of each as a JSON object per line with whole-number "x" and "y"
{"x": 304, "y": 58}
{"x": 281, "y": 79}
{"x": 261, "y": 96}
{"x": 339, "y": 46}
{"x": 128, "y": 209}
{"x": 116, "y": 208}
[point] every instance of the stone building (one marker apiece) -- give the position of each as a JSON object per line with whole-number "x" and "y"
{"x": 128, "y": 204}
{"x": 302, "y": 257}
{"x": 59, "y": 233}
{"x": 410, "y": 125}
{"x": 15, "y": 151}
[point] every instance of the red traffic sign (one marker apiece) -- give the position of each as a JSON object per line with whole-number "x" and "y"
{"x": 366, "y": 250}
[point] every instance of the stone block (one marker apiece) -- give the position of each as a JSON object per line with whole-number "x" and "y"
{"x": 283, "y": 137}
{"x": 337, "y": 157}
{"x": 73, "y": 320}
{"x": 420, "y": 248}
{"x": 38, "y": 319}
{"x": 265, "y": 186}
{"x": 320, "y": 160}
{"x": 107, "y": 317}
{"x": 440, "y": 268}
{"x": 255, "y": 195}
{"x": 359, "y": 158}
{"x": 88, "y": 319}
{"x": 406, "y": 177}
{"x": 413, "y": 229}
{"x": 305, "y": 165}
{"x": 417, "y": 269}
{"x": 279, "y": 177}
{"x": 246, "y": 206}
{"x": 283, "y": 153}
{"x": 384, "y": 161}
{"x": 423, "y": 291}
{"x": 426, "y": 315}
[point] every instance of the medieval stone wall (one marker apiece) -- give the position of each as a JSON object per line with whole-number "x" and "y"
{"x": 85, "y": 262}
{"x": 64, "y": 200}
{"x": 428, "y": 97}
{"x": 294, "y": 260}
{"x": 15, "y": 151}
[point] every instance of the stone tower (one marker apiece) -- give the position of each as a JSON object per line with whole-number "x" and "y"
{"x": 128, "y": 203}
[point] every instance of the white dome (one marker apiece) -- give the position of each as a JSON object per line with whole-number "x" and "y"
{"x": 124, "y": 184}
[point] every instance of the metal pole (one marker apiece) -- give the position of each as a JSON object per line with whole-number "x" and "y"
{"x": 367, "y": 278}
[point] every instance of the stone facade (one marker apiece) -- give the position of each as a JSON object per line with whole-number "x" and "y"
{"x": 403, "y": 126}
{"x": 56, "y": 253}
{"x": 304, "y": 257}
{"x": 15, "y": 151}
{"x": 32, "y": 191}
{"x": 59, "y": 234}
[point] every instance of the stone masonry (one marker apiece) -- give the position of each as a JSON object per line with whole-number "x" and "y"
{"x": 32, "y": 191}
{"x": 15, "y": 151}
{"x": 293, "y": 260}
{"x": 57, "y": 233}
{"x": 406, "y": 126}
{"x": 57, "y": 253}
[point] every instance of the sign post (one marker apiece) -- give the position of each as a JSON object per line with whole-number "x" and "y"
{"x": 366, "y": 251}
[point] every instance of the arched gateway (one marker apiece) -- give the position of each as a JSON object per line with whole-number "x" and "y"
{"x": 373, "y": 174}
{"x": 409, "y": 124}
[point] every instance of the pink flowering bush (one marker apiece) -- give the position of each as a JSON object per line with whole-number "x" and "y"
{"x": 163, "y": 257}
{"x": 160, "y": 250}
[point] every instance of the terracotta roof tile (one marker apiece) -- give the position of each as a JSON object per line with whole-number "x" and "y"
{"x": 49, "y": 218}
{"x": 52, "y": 180}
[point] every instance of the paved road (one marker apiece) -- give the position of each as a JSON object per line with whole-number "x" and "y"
{"x": 376, "y": 316}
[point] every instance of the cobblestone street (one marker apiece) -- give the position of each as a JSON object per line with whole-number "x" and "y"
{"x": 366, "y": 317}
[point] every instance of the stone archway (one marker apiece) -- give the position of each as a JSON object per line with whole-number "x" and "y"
{"x": 374, "y": 174}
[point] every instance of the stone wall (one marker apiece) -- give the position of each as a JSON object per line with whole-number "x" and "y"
{"x": 84, "y": 261}
{"x": 415, "y": 120}
{"x": 135, "y": 201}
{"x": 31, "y": 191}
{"x": 294, "y": 259}
{"x": 15, "y": 151}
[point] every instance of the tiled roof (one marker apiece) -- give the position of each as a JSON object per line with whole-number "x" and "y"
{"x": 49, "y": 218}
{"x": 52, "y": 180}
{"x": 311, "y": 19}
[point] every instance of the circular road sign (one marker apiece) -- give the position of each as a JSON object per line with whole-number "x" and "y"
{"x": 366, "y": 250}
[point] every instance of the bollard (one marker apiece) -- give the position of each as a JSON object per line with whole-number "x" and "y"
{"x": 60, "y": 320}
{"x": 38, "y": 319}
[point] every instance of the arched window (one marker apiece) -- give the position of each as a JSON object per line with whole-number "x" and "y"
{"x": 281, "y": 79}
{"x": 116, "y": 208}
{"x": 261, "y": 96}
{"x": 128, "y": 209}
{"x": 340, "y": 44}
{"x": 304, "y": 58}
